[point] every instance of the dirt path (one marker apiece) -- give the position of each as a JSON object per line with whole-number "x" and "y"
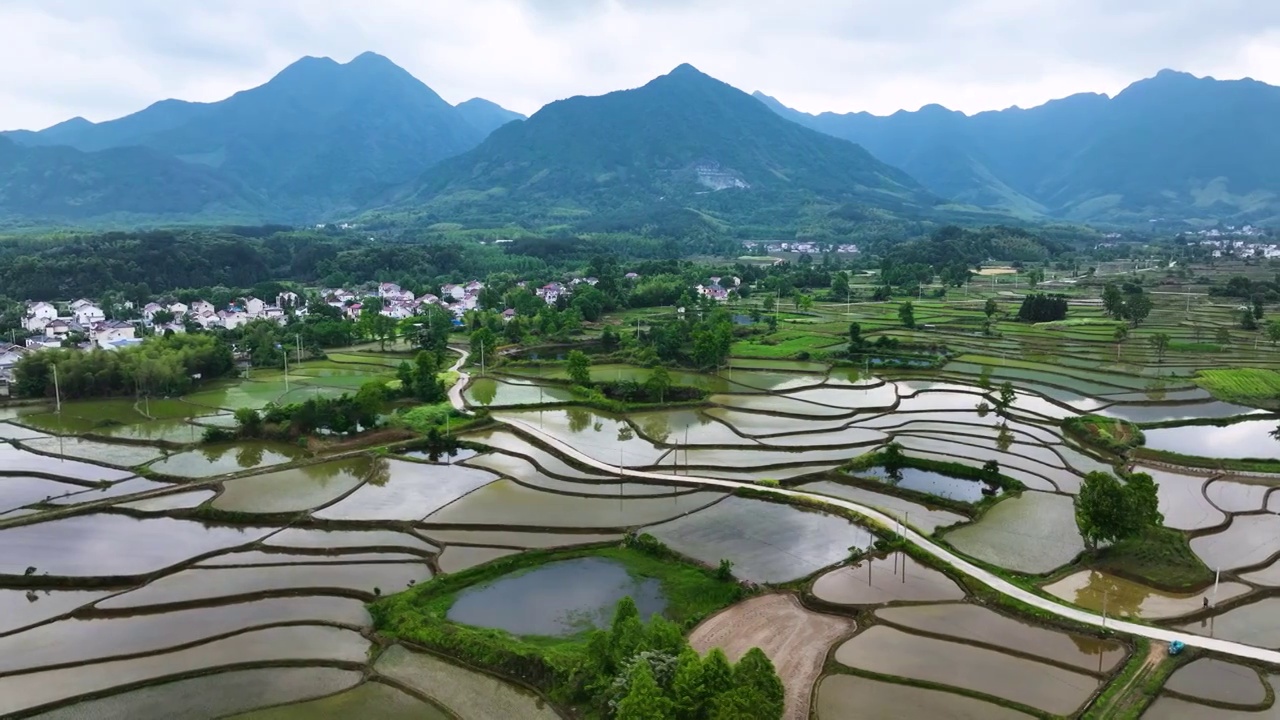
{"x": 1130, "y": 695}
{"x": 795, "y": 639}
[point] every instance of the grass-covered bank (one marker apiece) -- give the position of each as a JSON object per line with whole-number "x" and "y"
{"x": 1246, "y": 386}
{"x": 1161, "y": 558}
{"x": 1112, "y": 434}
{"x": 559, "y": 666}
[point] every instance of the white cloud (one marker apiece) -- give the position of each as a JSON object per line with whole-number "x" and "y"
{"x": 63, "y": 58}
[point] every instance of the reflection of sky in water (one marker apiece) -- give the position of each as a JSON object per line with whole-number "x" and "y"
{"x": 1249, "y": 439}
{"x": 99, "y": 545}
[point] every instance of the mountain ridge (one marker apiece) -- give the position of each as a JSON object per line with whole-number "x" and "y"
{"x": 1173, "y": 145}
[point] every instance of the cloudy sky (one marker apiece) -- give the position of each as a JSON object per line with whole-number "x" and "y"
{"x": 62, "y": 58}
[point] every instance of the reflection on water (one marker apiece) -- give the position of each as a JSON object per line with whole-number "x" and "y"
{"x": 558, "y": 599}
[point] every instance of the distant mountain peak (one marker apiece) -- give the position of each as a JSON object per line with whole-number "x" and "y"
{"x": 369, "y": 56}
{"x": 685, "y": 70}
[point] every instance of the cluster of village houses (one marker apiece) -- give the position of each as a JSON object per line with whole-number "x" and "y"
{"x": 49, "y": 325}
{"x": 812, "y": 248}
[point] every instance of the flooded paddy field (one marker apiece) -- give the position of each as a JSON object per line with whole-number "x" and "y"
{"x": 262, "y": 553}
{"x": 1039, "y": 685}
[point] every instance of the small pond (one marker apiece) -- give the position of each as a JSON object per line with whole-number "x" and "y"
{"x": 558, "y": 599}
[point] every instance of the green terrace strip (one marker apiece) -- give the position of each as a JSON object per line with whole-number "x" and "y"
{"x": 1246, "y": 386}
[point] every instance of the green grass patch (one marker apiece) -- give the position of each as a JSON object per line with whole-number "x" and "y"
{"x": 1113, "y": 434}
{"x": 784, "y": 345}
{"x": 1194, "y": 347}
{"x": 1161, "y": 558}
{"x": 1246, "y": 386}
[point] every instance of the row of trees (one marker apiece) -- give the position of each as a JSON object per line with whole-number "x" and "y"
{"x": 159, "y": 366}
{"x": 649, "y": 672}
{"x": 1129, "y": 302}
{"x": 1040, "y": 308}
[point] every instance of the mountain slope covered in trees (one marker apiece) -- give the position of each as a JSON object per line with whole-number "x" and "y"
{"x": 684, "y": 139}
{"x": 1174, "y": 146}
{"x": 319, "y": 139}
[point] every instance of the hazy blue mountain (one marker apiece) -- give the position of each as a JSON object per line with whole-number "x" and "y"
{"x": 486, "y": 116}
{"x": 682, "y": 138}
{"x": 320, "y": 137}
{"x": 1172, "y": 146}
{"x": 58, "y": 184}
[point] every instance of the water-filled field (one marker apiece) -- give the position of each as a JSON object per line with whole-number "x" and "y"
{"x": 135, "y": 556}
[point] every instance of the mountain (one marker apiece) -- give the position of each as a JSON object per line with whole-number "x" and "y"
{"x": 684, "y": 138}
{"x": 317, "y": 139}
{"x": 59, "y": 183}
{"x": 486, "y": 116}
{"x": 1172, "y": 146}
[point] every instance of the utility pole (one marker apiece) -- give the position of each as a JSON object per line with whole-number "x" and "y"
{"x": 57, "y": 392}
{"x": 1217, "y": 575}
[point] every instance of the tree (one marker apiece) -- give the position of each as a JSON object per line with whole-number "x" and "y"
{"x": 768, "y": 303}
{"x": 248, "y": 422}
{"x": 579, "y": 368}
{"x": 907, "y": 314}
{"x": 1108, "y": 510}
{"x": 483, "y": 343}
{"x": 688, "y": 693}
{"x": 1160, "y": 343}
{"x": 1100, "y": 509}
{"x": 1258, "y": 301}
{"x": 1007, "y": 396}
{"x": 756, "y": 672}
{"x": 1137, "y": 307}
{"x": 1222, "y": 336}
{"x": 717, "y": 673}
{"x": 990, "y": 307}
{"x": 1247, "y": 321}
{"x": 1120, "y": 335}
{"x": 658, "y": 383}
{"x": 1113, "y": 302}
{"x": 991, "y": 471}
{"x": 426, "y": 385}
{"x": 840, "y": 286}
{"x": 644, "y": 700}
{"x": 804, "y": 302}
{"x": 856, "y": 341}
{"x": 1273, "y": 332}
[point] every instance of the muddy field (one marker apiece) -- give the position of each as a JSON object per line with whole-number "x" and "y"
{"x": 795, "y": 639}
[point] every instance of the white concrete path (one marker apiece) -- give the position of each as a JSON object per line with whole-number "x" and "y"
{"x": 1000, "y": 585}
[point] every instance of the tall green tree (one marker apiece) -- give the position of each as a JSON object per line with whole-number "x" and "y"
{"x": 755, "y": 671}
{"x": 484, "y": 343}
{"x": 1113, "y": 302}
{"x": 644, "y": 700}
{"x": 1110, "y": 510}
{"x": 907, "y": 314}
{"x": 990, "y": 307}
{"x": 688, "y": 692}
{"x": 1160, "y": 343}
{"x": 578, "y": 366}
{"x": 658, "y": 383}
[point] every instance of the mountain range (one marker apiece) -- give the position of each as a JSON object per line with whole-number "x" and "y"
{"x": 323, "y": 140}
{"x": 1173, "y": 146}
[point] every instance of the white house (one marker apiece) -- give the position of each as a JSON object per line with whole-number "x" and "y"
{"x": 287, "y": 299}
{"x": 9, "y": 356}
{"x": 232, "y": 320}
{"x": 254, "y": 306}
{"x": 198, "y": 307}
{"x": 89, "y": 314}
{"x": 457, "y": 292}
{"x": 149, "y": 311}
{"x": 179, "y": 309}
{"x": 38, "y": 316}
{"x": 77, "y": 304}
{"x": 110, "y": 332}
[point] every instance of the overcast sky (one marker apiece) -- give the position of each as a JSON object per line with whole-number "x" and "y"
{"x": 62, "y": 58}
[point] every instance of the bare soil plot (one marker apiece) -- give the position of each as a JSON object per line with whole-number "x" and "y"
{"x": 795, "y": 639}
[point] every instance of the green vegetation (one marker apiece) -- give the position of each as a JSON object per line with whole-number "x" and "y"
{"x": 1246, "y": 386}
{"x": 1113, "y": 434}
{"x": 1158, "y": 557}
{"x": 1041, "y": 308}
{"x": 1110, "y": 510}
{"x": 159, "y": 366}
{"x": 595, "y": 667}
